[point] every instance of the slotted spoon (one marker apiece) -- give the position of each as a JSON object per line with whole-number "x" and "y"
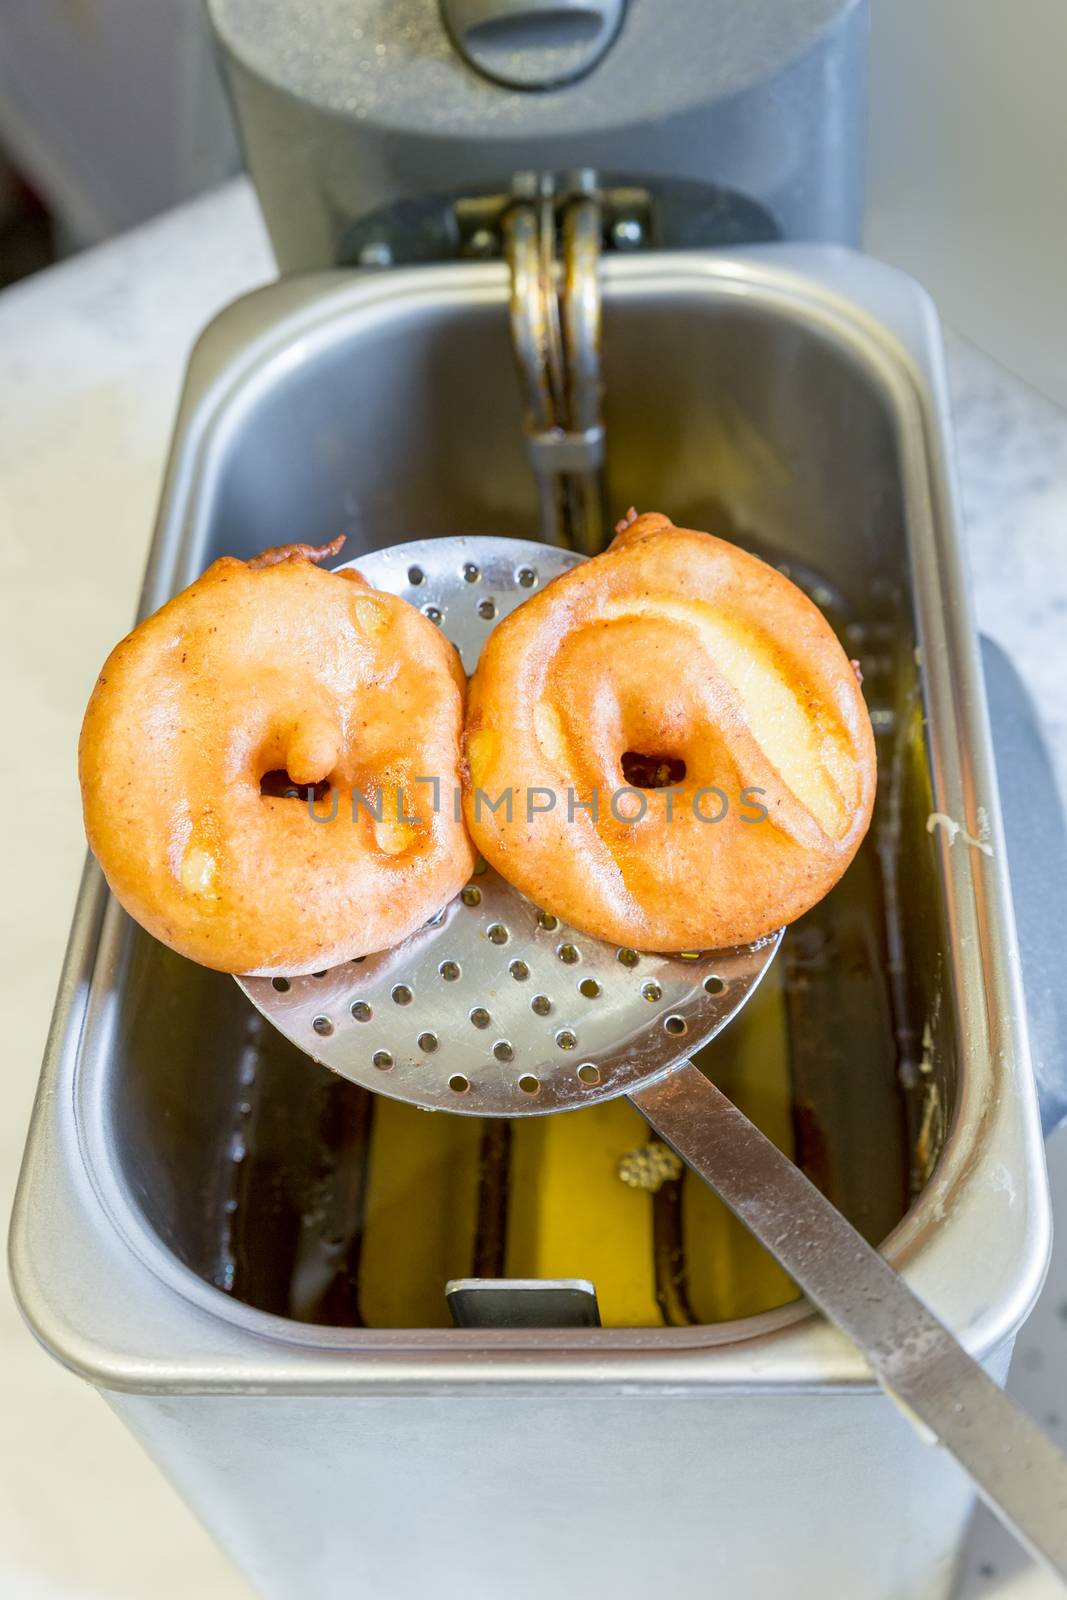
{"x": 495, "y": 1008}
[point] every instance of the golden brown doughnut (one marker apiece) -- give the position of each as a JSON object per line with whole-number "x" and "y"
{"x": 672, "y": 659}
{"x": 274, "y": 673}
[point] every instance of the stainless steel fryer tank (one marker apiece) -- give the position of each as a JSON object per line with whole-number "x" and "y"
{"x": 794, "y": 399}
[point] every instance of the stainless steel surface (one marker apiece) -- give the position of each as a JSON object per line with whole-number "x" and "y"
{"x": 531, "y": 299}
{"x": 555, "y": 329}
{"x": 495, "y": 1008}
{"x": 386, "y": 405}
{"x": 581, "y": 320}
{"x": 270, "y": 446}
{"x": 1019, "y": 1472}
{"x": 361, "y": 109}
{"x": 523, "y": 1303}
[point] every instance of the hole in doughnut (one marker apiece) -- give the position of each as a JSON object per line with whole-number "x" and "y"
{"x": 278, "y": 785}
{"x": 651, "y": 772}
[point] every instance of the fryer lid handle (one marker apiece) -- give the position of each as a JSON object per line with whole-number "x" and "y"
{"x": 533, "y": 44}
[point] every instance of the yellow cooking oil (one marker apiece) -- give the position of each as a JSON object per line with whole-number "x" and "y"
{"x": 568, "y": 1211}
{"x": 420, "y": 1212}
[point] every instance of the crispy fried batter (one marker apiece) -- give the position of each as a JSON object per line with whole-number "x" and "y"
{"x": 213, "y": 719}
{"x": 707, "y": 686}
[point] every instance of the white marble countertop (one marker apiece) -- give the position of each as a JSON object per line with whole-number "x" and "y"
{"x": 91, "y": 359}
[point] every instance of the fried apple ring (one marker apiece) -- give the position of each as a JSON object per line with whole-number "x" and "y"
{"x": 212, "y": 721}
{"x": 667, "y": 747}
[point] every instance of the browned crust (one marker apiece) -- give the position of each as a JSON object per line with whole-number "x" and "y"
{"x": 610, "y": 657}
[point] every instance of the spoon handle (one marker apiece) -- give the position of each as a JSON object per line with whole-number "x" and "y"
{"x": 1021, "y": 1474}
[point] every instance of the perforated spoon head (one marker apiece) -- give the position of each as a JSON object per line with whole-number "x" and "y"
{"x": 496, "y": 1008}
